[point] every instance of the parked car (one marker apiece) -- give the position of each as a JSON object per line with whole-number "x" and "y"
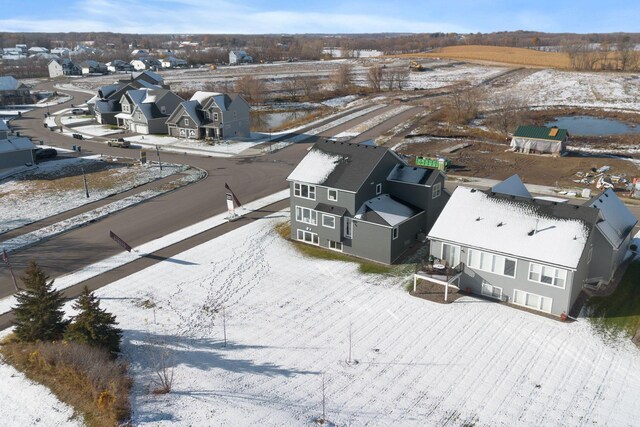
{"x": 77, "y": 135}
{"x": 46, "y": 153}
{"x": 77, "y": 111}
{"x": 120, "y": 142}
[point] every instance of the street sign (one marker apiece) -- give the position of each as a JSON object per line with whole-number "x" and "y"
{"x": 143, "y": 157}
{"x": 119, "y": 241}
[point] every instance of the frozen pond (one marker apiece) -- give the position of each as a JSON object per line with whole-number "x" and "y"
{"x": 593, "y": 126}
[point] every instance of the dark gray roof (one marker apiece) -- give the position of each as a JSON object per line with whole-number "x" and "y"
{"x": 617, "y": 221}
{"x": 333, "y": 210}
{"x": 108, "y": 106}
{"x": 413, "y": 174}
{"x": 192, "y": 108}
{"x": 512, "y": 186}
{"x": 357, "y": 164}
{"x": 9, "y": 83}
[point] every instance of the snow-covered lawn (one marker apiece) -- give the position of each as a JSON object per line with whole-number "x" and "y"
{"x": 447, "y": 76}
{"x": 97, "y": 130}
{"x": 374, "y": 121}
{"x": 170, "y": 143}
{"x": 582, "y": 89}
{"x": 418, "y": 363}
{"x": 56, "y": 186}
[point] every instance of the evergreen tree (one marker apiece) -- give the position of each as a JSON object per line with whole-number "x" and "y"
{"x": 39, "y": 314}
{"x": 93, "y": 325}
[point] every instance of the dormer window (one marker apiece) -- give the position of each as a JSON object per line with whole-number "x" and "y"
{"x": 186, "y": 122}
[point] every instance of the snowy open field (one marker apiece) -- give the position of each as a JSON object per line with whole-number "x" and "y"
{"x": 56, "y": 186}
{"x": 581, "y": 89}
{"x": 419, "y": 363}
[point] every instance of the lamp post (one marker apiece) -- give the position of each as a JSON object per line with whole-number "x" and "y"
{"x": 269, "y": 139}
{"x": 158, "y": 153}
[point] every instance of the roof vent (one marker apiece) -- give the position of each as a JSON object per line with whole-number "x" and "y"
{"x": 478, "y": 219}
{"x": 605, "y": 194}
{"x": 575, "y": 237}
{"x": 500, "y": 224}
{"x": 473, "y": 190}
{"x": 532, "y": 232}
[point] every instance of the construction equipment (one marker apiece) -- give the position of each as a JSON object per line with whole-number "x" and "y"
{"x": 213, "y": 67}
{"x": 414, "y": 66}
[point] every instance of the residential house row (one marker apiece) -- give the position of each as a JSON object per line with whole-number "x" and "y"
{"x": 502, "y": 243}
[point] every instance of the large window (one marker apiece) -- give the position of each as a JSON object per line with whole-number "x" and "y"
{"x": 305, "y": 191}
{"x": 492, "y": 263}
{"x": 336, "y": 246}
{"x": 332, "y": 195}
{"x": 491, "y": 291}
{"x": 436, "y": 190}
{"x": 348, "y": 227}
{"x": 306, "y": 215}
{"x": 328, "y": 221}
{"x": 536, "y": 302}
{"x": 307, "y": 236}
{"x": 547, "y": 275}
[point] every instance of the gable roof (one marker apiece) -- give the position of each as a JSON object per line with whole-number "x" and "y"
{"x": 541, "y": 132}
{"x": 9, "y": 83}
{"x": 146, "y": 75}
{"x": 191, "y": 108}
{"x": 340, "y": 165}
{"x": 512, "y": 186}
{"x": 412, "y": 174}
{"x": 617, "y": 221}
{"x": 16, "y": 143}
{"x": 539, "y": 230}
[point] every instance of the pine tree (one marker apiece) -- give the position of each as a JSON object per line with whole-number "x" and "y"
{"x": 39, "y": 314}
{"x": 93, "y": 325}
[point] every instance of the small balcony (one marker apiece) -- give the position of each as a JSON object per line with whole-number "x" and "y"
{"x": 438, "y": 271}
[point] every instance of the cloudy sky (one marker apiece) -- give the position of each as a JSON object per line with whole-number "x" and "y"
{"x": 327, "y": 16}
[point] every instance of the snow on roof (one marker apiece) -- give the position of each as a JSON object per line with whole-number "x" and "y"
{"x": 413, "y": 175}
{"x": 618, "y": 221}
{"x": 512, "y": 186}
{"x": 315, "y": 167}
{"x": 9, "y": 83}
{"x": 390, "y": 210}
{"x": 3, "y": 126}
{"x": 475, "y": 219}
{"x": 202, "y": 96}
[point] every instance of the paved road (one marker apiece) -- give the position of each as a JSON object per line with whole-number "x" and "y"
{"x": 250, "y": 178}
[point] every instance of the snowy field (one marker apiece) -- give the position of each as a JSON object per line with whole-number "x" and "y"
{"x": 569, "y": 88}
{"x": 287, "y": 325}
{"x": 373, "y": 122}
{"x": 56, "y": 186}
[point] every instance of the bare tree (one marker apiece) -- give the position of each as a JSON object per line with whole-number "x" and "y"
{"x": 464, "y": 103}
{"x": 253, "y": 89}
{"x": 292, "y": 86}
{"x": 389, "y": 77}
{"x": 628, "y": 56}
{"x": 374, "y": 77}
{"x": 343, "y": 78}
{"x": 162, "y": 360}
{"x": 402, "y": 76}
{"x": 508, "y": 112}
{"x": 310, "y": 86}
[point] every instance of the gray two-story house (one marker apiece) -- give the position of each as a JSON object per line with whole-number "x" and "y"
{"x": 363, "y": 200}
{"x": 505, "y": 244}
{"x": 146, "y": 110}
{"x": 211, "y": 115}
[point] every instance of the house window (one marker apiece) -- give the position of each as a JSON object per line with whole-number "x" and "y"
{"x": 491, "y": 291}
{"x": 328, "y": 221}
{"x": 336, "y": 246}
{"x": 394, "y": 233}
{"x": 304, "y": 191}
{"x": 436, "y": 190}
{"x": 492, "y": 263}
{"x": 547, "y": 275}
{"x": 163, "y": 109}
{"x": 348, "y": 227}
{"x": 536, "y": 302}
{"x": 125, "y": 108}
{"x": 307, "y": 236}
{"x": 332, "y": 195}
{"x": 186, "y": 122}
{"x": 215, "y": 117}
{"x": 182, "y": 132}
{"x": 378, "y": 189}
{"x": 306, "y": 215}
{"x": 451, "y": 254}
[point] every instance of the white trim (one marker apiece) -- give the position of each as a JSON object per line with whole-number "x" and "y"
{"x": 297, "y": 190}
{"x": 336, "y": 246}
{"x": 437, "y": 186}
{"x": 554, "y": 277}
{"x": 493, "y": 263}
{"x": 313, "y": 215}
{"x": 394, "y": 233}
{"x": 349, "y": 221}
{"x": 313, "y": 236}
{"x": 329, "y": 190}
{"x": 456, "y": 253}
{"x": 378, "y": 189}
{"x": 490, "y": 294}
{"x": 539, "y": 306}
{"x": 333, "y": 218}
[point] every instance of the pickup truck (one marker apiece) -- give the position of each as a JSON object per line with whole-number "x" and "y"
{"x": 120, "y": 142}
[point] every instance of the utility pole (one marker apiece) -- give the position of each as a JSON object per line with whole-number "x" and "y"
{"x": 324, "y": 400}
{"x": 269, "y": 139}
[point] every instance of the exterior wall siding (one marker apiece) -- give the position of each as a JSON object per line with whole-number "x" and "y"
{"x": 14, "y": 159}
{"x": 472, "y": 279}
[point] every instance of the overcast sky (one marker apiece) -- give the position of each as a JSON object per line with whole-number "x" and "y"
{"x": 327, "y": 16}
